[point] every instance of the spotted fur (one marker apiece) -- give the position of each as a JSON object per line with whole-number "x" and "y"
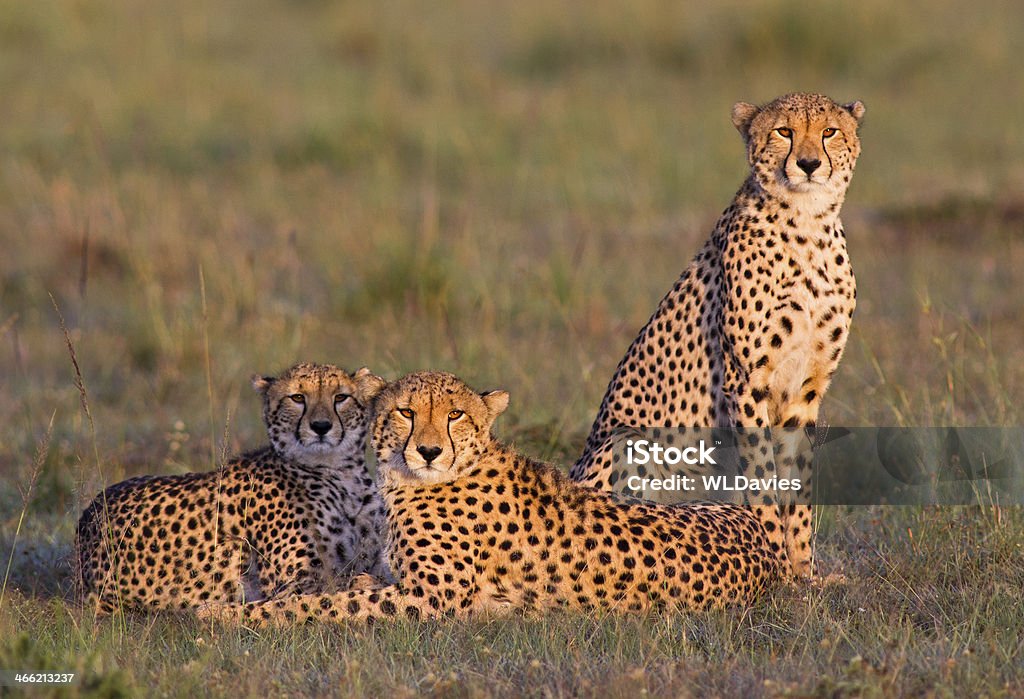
{"x": 303, "y": 514}
{"x": 474, "y": 527}
{"x": 751, "y": 334}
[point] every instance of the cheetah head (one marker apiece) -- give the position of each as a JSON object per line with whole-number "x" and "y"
{"x": 801, "y": 144}
{"x": 315, "y": 412}
{"x": 430, "y": 427}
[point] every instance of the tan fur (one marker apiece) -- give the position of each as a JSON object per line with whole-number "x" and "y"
{"x": 476, "y": 527}
{"x": 752, "y": 332}
{"x": 301, "y": 515}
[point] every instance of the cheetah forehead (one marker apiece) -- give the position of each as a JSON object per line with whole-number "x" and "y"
{"x": 807, "y": 110}
{"x": 438, "y": 388}
{"x": 311, "y": 379}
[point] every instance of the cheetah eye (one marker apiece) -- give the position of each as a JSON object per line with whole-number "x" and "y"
{"x": 341, "y": 397}
{"x": 406, "y": 413}
{"x": 298, "y": 398}
{"x": 455, "y": 414}
{"x": 784, "y": 131}
{"x": 829, "y": 132}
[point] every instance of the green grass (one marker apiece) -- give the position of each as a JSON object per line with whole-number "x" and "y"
{"x": 503, "y": 190}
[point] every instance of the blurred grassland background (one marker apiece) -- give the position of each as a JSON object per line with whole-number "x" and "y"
{"x": 503, "y": 190}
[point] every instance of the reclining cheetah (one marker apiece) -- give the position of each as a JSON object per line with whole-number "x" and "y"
{"x": 475, "y": 527}
{"x": 753, "y": 330}
{"x": 296, "y": 516}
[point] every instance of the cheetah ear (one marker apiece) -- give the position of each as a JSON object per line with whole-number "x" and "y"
{"x": 742, "y": 114}
{"x": 856, "y": 109}
{"x": 496, "y": 402}
{"x": 262, "y": 383}
{"x": 368, "y": 385}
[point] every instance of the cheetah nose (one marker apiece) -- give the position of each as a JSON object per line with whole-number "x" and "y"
{"x": 429, "y": 453}
{"x": 321, "y": 427}
{"x": 808, "y": 166}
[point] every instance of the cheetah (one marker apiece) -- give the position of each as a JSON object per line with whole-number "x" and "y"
{"x": 475, "y": 527}
{"x": 749, "y": 337}
{"x": 297, "y": 515}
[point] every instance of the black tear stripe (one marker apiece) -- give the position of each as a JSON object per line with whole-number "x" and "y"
{"x": 448, "y": 431}
{"x": 405, "y": 445}
{"x": 831, "y": 168}
{"x": 298, "y": 425}
{"x": 341, "y": 423}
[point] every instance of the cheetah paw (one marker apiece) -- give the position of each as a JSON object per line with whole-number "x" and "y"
{"x": 218, "y": 611}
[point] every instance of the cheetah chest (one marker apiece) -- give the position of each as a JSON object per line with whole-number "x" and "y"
{"x": 337, "y": 508}
{"x": 810, "y": 321}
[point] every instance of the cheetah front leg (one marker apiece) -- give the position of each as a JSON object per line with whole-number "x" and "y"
{"x": 284, "y": 555}
{"x": 383, "y": 603}
{"x": 366, "y": 581}
{"x": 783, "y": 452}
{"x": 757, "y": 462}
{"x": 794, "y": 454}
{"x": 431, "y": 585}
{"x": 793, "y": 458}
{"x": 291, "y": 567}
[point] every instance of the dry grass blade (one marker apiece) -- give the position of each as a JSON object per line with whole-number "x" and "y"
{"x": 208, "y": 368}
{"x": 83, "y": 395}
{"x": 42, "y": 450}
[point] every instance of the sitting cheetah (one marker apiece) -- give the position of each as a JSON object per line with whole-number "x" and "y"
{"x": 475, "y": 527}
{"x": 753, "y": 330}
{"x": 286, "y": 518}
